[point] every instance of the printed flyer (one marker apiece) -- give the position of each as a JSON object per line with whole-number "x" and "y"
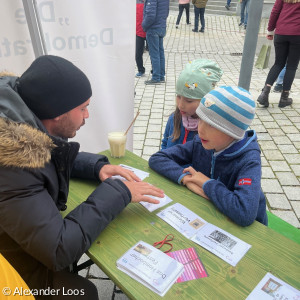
{"x": 216, "y": 240}
{"x": 193, "y": 266}
{"x": 139, "y": 173}
{"x": 273, "y": 288}
{"x": 162, "y": 202}
{"x": 151, "y": 267}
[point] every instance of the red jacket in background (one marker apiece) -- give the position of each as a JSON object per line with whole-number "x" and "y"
{"x": 285, "y": 17}
{"x": 139, "y": 19}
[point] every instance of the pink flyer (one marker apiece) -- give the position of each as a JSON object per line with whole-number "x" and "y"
{"x": 193, "y": 267}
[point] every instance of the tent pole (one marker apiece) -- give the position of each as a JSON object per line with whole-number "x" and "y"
{"x": 35, "y": 27}
{"x": 255, "y": 12}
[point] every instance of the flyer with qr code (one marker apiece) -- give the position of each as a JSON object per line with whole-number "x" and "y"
{"x": 271, "y": 287}
{"x": 214, "y": 239}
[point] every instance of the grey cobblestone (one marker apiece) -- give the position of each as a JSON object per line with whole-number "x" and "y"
{"x": 278, "y": 201}
{"x": 279, "y": 166}
{"x": 292, "y": 192}
{"x": 267, "y": 172}
{"x": 271, "y": 186}
{"x": 287, "y": 149}
{"x": 273, "y": 154}
{"x": 287, "y": 215}
{"x": 287, "y": 178}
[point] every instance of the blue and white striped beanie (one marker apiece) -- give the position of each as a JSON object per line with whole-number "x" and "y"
{"x": 230, "y": 109}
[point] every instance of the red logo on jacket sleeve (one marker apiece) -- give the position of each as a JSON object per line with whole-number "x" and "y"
{"x": 245, "y": 181}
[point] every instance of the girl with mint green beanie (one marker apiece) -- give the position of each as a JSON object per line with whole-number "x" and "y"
{"x": 198, "y": 78}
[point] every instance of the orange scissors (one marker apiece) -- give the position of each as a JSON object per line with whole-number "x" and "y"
{"x": 165, "y": 241}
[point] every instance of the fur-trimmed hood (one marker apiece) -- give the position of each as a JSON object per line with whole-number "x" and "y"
{"x": 23, "y": 146}
{"x": 22, "y": 142}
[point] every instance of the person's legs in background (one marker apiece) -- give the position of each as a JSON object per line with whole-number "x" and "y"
{"x": 181, "y": 7}
{"x": 279, "y": 81}
{"x": 243, "y": 4}
{"x": 246, "y": 12}
{"x": 202, "y": 20}
{"x": 162, "y": 33}
{"x": 228, "y": 4}
{"x": 281, "y": 54}
{"x": 154, "y": 52}
{"x": 139, "y": 50}
{"x": 197, "y": 13}
{"x": 291, "y": 68}
{"x": 187, "y": 13}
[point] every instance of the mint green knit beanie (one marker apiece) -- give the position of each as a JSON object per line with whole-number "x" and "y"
{"x": 198, "y": 78}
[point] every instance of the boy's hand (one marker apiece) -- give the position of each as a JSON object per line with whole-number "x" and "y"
{"x": 139, "y": 190}
{"x": 196, "y": 189}
{"x": 110, "y": 170}
{"x": 195, "y": 177}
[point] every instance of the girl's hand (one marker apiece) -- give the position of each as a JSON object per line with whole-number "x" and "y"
{"x": 270, "y": 37}
{"x": 110, "y": 170}
{"x": 195, "y": 177}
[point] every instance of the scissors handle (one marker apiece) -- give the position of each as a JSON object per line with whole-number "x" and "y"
{"x": 165, "y": 241}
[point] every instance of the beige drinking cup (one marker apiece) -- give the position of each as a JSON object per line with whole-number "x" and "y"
{"x": 117, "y": 143}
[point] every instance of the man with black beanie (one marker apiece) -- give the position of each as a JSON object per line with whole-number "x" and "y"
{"x": 39, "y": 111}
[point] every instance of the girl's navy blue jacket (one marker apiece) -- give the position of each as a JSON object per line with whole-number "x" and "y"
{"x": 168, "y": 134}
{"x": 235, "y": 184}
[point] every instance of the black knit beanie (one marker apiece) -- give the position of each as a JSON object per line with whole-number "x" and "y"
{"x": 52, "y": 86}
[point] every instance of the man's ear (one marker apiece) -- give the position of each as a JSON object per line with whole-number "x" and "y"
{"x": 57, "y": 118}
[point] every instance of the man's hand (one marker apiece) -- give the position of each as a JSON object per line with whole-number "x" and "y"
{"x": 111, "y": 170}
{"x": 197, "y": 178}
{"x": 139, "y": 190}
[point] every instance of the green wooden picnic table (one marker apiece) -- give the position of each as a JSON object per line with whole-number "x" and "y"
{"x": 270, "y": 251}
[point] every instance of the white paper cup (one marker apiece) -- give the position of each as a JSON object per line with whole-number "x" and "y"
{"x": 117, "y": 143}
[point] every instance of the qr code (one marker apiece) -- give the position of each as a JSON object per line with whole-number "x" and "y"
{"x": 223, "y": 239}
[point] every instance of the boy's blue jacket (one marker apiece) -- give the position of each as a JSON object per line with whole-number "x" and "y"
{"x": 167, "y": 139}
{"x": 235, "y": 184}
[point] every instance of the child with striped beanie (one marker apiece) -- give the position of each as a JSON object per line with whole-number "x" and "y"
{"x": 224, "y": 158}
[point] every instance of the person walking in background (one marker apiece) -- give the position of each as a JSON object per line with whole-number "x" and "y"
{"x": 244, "y": 12}
{"x": 183, "y": 4}
{"x": 140, "y": 38}
{"x": 228, "y": 4}
{"x": 279, "y": 81}
{"x": 285, "y": 20}
{"x": 199, "y": 9}
{"x": 154, "y": 24}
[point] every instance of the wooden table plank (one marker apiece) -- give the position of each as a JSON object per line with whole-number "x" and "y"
{"x": 270, "y": 251}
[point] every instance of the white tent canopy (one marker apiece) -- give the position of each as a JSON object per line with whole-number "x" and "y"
{"x": 98, "y": 37}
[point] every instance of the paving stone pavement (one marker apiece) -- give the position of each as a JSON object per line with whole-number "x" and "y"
{"x": 277, "y": 129}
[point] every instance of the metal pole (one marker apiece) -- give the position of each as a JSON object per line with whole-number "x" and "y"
{"x": 35, "y": 28}
{"x": 254, "y": 17}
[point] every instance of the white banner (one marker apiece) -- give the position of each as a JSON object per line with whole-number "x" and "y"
{"x": 99, "y": 38}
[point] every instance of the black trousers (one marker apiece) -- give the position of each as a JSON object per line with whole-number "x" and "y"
{"x": 69, "y": 284}
{"x": 187, "y": 12}
{"x": 139, "y": 50}
{"x": 287, "y": 51}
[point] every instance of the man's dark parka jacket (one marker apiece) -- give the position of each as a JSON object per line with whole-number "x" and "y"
{"x": 35, "y": 169}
